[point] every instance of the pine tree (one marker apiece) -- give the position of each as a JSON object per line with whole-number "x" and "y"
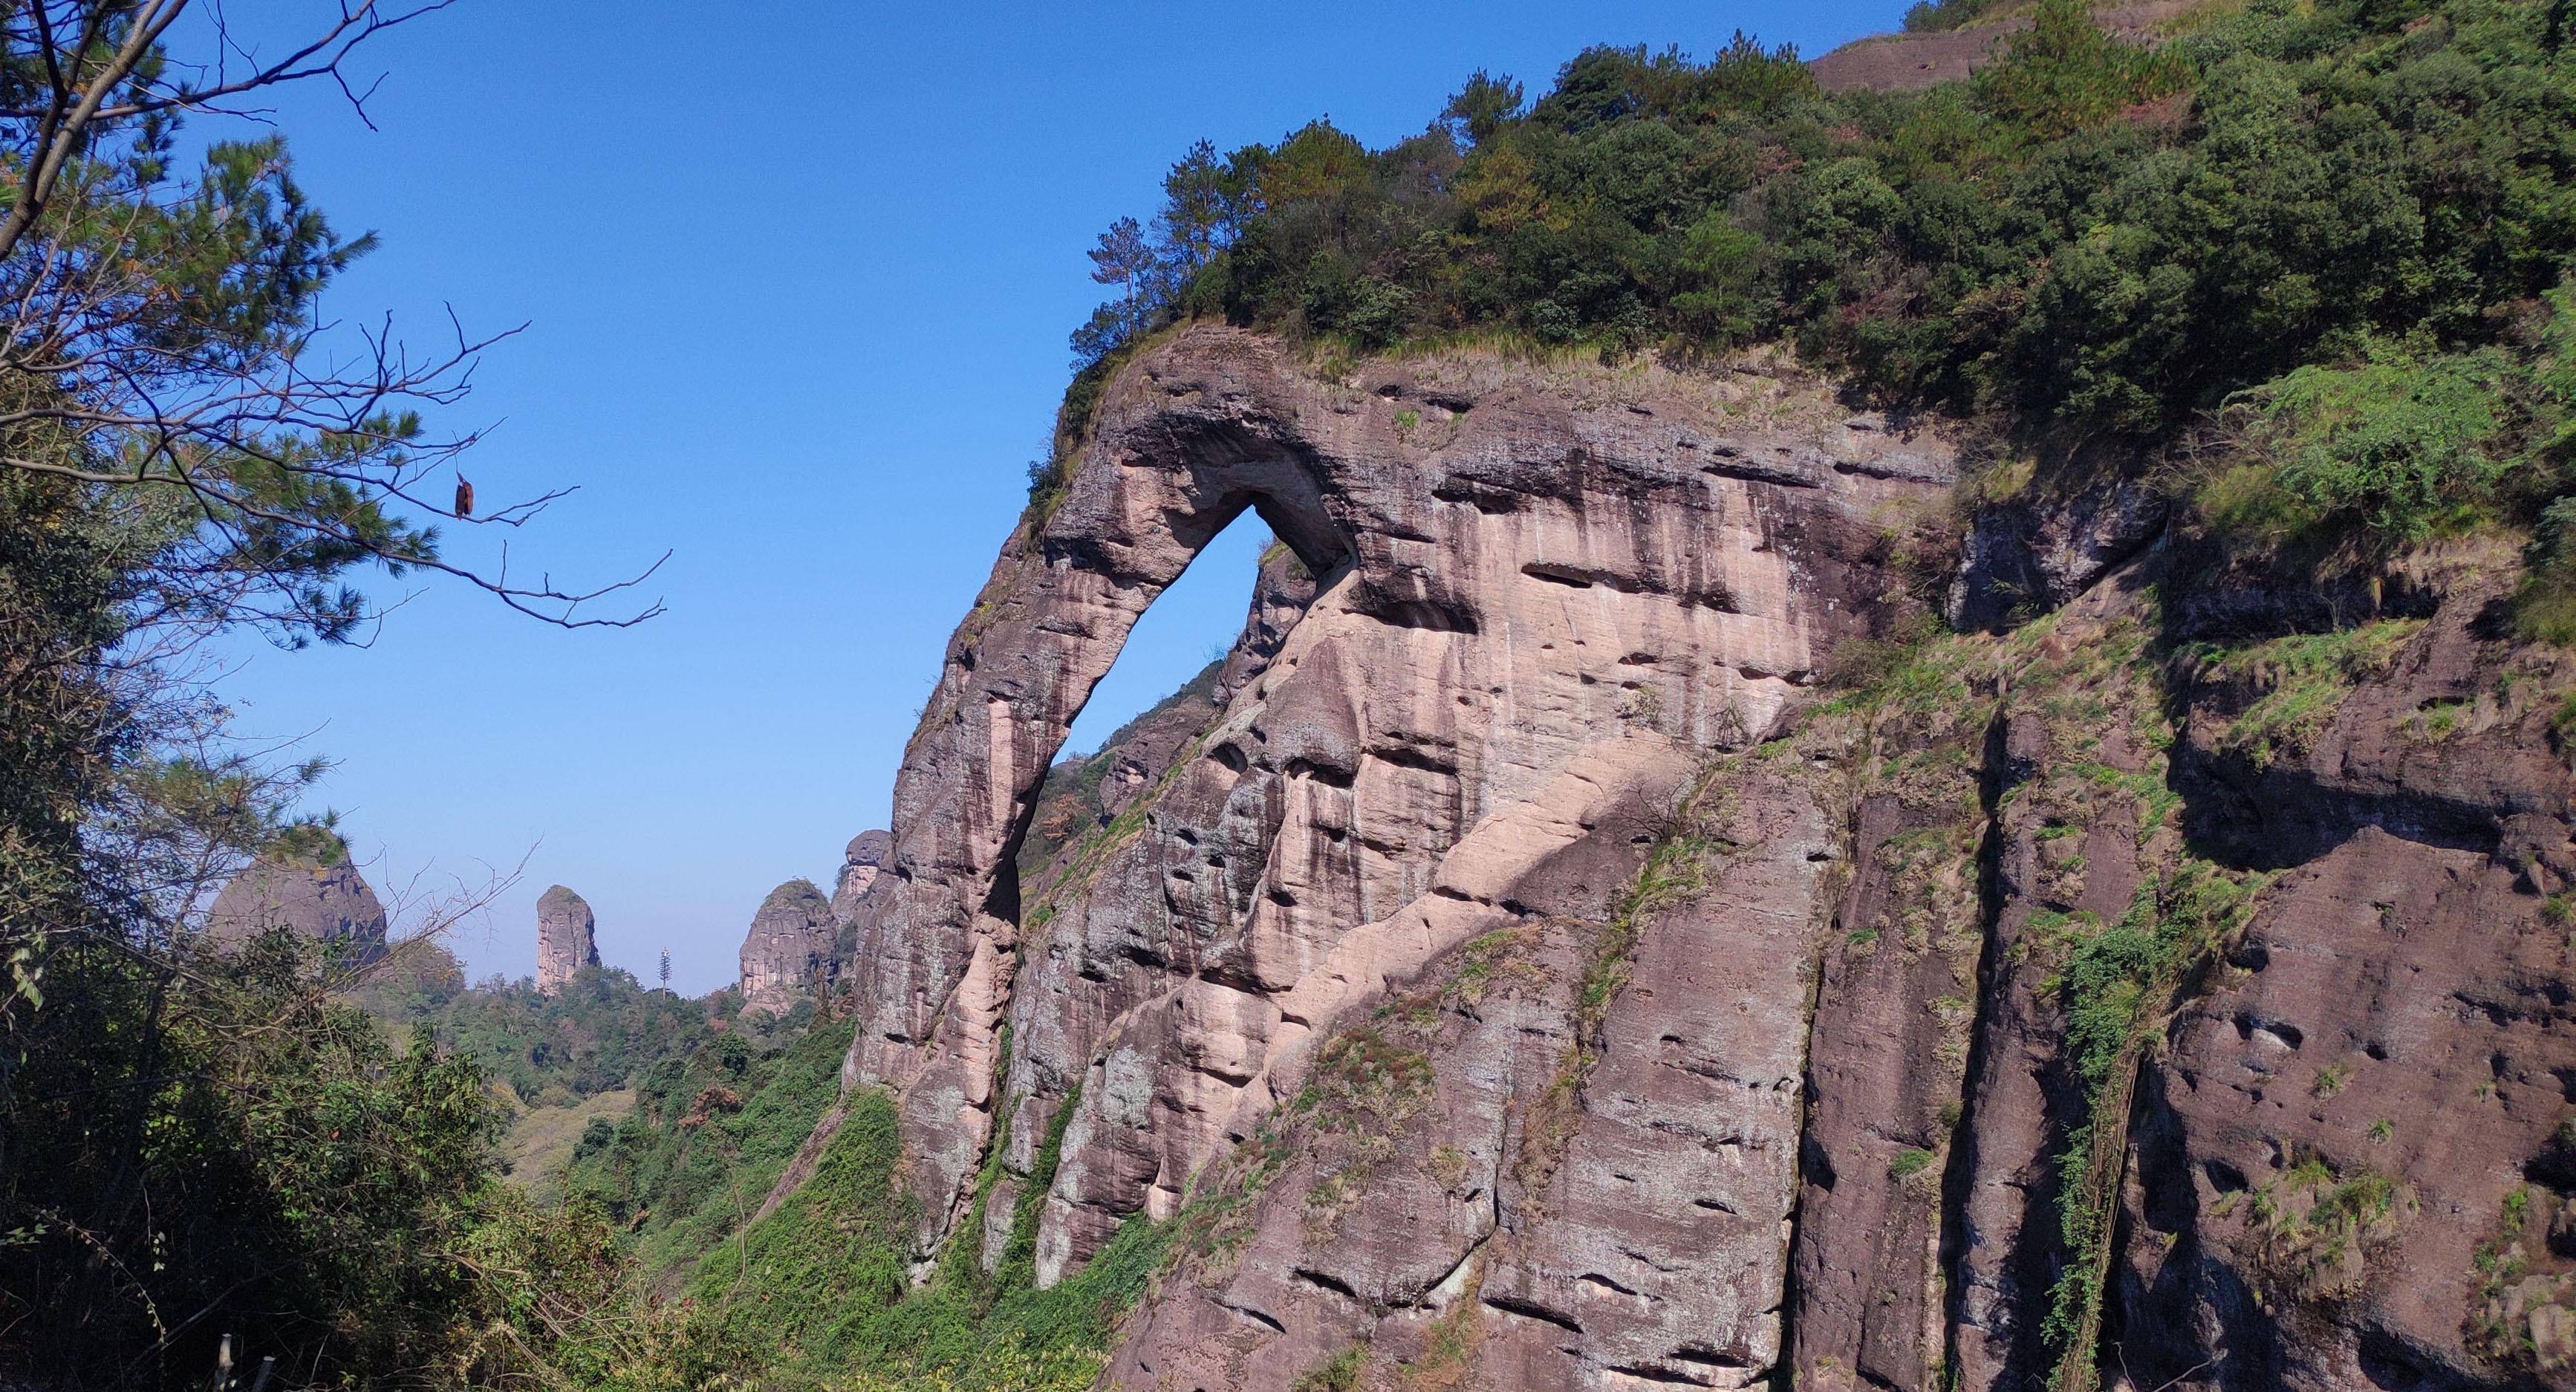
{"x": 1199, "y": 214}
{"x": 1125, "y": 259}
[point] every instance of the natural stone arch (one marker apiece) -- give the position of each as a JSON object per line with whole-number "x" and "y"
{"x": 1544, "y": 591}
{"x": 932, "y": 963}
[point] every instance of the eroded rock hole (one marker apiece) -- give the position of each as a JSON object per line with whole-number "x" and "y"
{"x": 1209, "y": 632}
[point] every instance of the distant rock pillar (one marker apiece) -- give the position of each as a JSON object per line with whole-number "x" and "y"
{"x": 788, "y": 952}
{"x": 567, "y": 939}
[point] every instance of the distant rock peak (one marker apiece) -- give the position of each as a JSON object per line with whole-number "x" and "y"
{"x": 788, "y": 954}
{"x": 567, "y": 938}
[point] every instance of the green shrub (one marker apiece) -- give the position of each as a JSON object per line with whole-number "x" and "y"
{"x": 682, "y": 1176}
{"x": 832, "y": 1250}
{"x": 2113, "y": 988}
{"x": 289, "y": 1171}
{"x": 1339, "y": 1373}
{"x": 2545, "y": 607}
{"x": 1933, "y": 15}
{"x": 2395, "y": 447}
{"x": 820, "y": 1289}
{"x": 2065, "y": 73}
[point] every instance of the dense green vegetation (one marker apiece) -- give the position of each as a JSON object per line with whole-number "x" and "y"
{"x": 298, "y": 1167}
{"x": 190, "y": 1147}
{"x": 205, "y": 1152}
{"x": 817, "y": 1293}
{"x": 2335, "y": 236}
{"x": 601, "y": 1031}
{"x": 710, "y": 1133}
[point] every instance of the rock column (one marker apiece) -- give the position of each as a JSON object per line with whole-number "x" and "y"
{"x": 788, "y": 952}
{"x": 567, "y": 939}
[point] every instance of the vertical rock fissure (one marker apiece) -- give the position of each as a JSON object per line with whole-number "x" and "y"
{"x": 1992, "y": 783}
{"x": 1848, "y": 833}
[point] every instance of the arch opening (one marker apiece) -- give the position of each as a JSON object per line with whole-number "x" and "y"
{"x": 1179, "y": 665}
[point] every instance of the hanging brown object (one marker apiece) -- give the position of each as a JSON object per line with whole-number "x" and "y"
{"x": 464, "y": 497}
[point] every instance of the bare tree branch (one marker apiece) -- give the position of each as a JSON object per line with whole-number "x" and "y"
{"x": 119, "y": 372}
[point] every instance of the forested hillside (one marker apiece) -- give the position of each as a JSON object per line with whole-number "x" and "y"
{"x": 2334, "y": 235}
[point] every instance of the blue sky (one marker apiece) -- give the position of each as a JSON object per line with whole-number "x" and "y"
{"x": 797, "y": 285}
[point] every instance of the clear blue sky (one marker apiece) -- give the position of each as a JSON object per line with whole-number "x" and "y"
{"x": 797, "y": 278}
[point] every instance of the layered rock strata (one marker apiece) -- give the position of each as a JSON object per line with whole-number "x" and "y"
{"x": 567, "y": 939}
{"x": 1523, "y": 969}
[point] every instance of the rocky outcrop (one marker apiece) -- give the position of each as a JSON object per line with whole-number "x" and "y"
{"x": 861, "y": 866}
{"x": 788, "y": 954}
{"x": 2349, "y": 1162}
{"x": 1912, "y": 61}
{"x": 1519, "y": 964}
{"x": 1542, "y": 599}
{"x": 318, "y": 898}
{"x": 567, "y": 939}
{"x": 2029, "y": 554}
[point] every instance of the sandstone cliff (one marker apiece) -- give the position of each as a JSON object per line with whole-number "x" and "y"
{"x": 567, "y": 938}
{"x": 862, "y": 862}
{"x": 321, "y": 899}
{"x": 1589, "y": 938}
{"x": 788, "y": 955}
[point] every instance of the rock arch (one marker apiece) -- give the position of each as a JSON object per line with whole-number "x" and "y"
{"x": 1542, "y": 590}
{"x": 932, "y": 963}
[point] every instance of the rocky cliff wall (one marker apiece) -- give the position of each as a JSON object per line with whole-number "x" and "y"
{"x": 1543, "y": 598}
{"x": 329, "y": 903}
{"x": 862, "y": 862}
{"x": 1527, "y": 971}
{"x": 788, "y": 953}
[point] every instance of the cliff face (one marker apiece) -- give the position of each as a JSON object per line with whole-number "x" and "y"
{"x": 1541, "y": 599}
{"x": 861, "y": 864}
{"x": 567, "y": 938}
{"x": 788, "y": 953}
{"x": 1521, "y": 968}
{"x": 330, "y": 904}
